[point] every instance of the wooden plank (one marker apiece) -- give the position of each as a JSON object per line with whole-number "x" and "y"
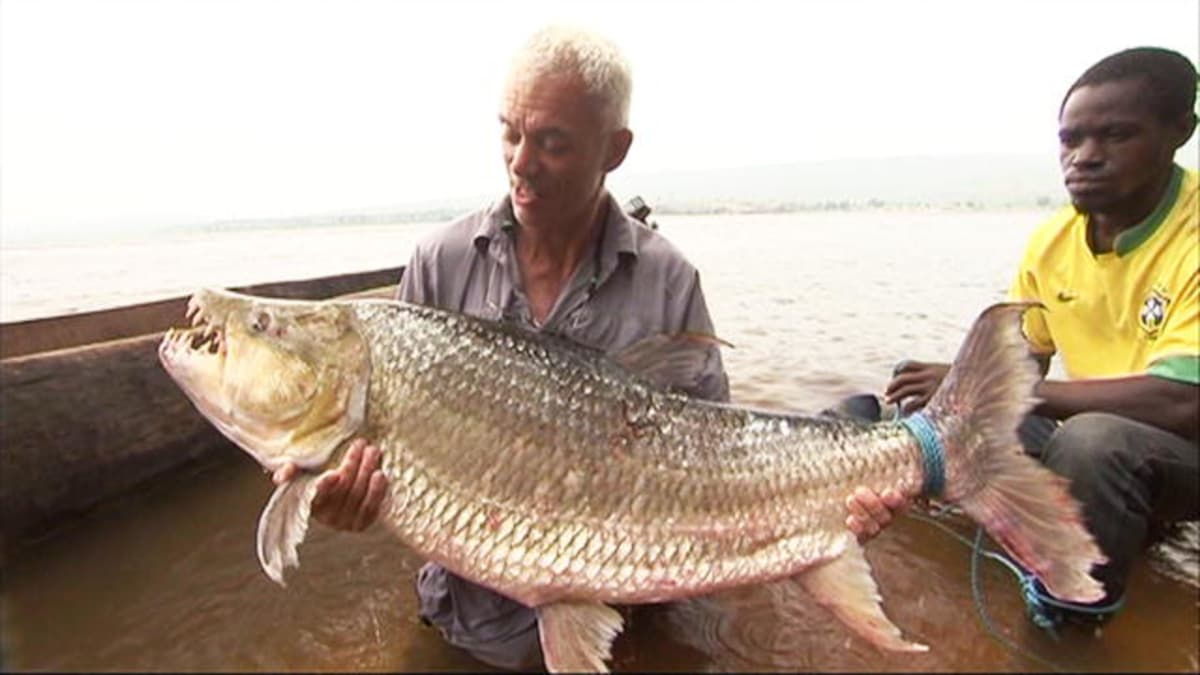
{"x": 81, "y": 425}
{"x": 20, "y": 338}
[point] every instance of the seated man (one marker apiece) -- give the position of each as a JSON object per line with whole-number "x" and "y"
{"x": 1117, "y": 271}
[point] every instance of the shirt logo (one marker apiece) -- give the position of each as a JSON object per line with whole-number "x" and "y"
{"x": 1066, "y": 295}
{"x": 1154, "y": 310}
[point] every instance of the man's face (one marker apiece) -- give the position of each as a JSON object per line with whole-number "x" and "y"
{"x": 557, "y": 148}
{"x": 1112, "y": 147}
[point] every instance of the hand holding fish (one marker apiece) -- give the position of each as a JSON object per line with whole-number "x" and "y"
{"x": 871, "y": 512}
{"x": 915, "y": 381}
{"x": 348, "y": 497}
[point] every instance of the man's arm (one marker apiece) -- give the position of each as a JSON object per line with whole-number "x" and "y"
{"x": 914, "y": 382}
{"x": 713, "y": 384}
{"x": 1157, "y": 401}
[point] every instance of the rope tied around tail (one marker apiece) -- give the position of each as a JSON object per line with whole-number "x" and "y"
{"x": 933, "y": 453}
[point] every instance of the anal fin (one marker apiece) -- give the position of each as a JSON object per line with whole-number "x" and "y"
{"x": 845, "y": 586}
{"x": 577, "y": 636}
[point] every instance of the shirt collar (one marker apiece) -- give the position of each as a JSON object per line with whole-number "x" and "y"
{"x": 620, "y": 238}
{"x": 1130, "y": 239}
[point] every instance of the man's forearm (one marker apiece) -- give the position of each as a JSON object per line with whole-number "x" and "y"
{"x": 1166, "y": 404}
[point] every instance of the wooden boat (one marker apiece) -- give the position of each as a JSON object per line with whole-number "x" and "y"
{"x": 87, "y": 413}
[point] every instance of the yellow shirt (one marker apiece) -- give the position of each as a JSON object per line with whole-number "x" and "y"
{"x": 1130, "y": 311}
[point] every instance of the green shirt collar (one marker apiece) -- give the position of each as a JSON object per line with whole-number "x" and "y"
{"x": 1130, "y": 239}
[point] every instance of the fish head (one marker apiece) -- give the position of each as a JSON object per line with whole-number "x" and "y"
{"x": 284, "y": 379}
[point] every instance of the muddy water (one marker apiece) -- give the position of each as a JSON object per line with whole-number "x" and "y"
{"x": 818, "y": 306}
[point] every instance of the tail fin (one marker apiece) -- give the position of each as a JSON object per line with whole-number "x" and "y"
{"x": 1022, "y": 505}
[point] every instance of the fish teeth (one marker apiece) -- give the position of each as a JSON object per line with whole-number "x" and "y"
{"x": 193, "y": 309}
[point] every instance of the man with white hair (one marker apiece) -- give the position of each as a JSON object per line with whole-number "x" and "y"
{"x": 556, "y": 254}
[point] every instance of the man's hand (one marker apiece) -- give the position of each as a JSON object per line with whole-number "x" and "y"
{"x": 915, "y": 381}
{"x": 350, "y": 496}
{"x": 870, "y": 512}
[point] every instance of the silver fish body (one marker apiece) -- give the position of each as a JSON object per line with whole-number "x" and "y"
{"x": 543, "y": 471}
{"x": 569, "y": 480}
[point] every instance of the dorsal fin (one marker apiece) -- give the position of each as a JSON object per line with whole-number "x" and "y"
{"x": 670, "y": 359}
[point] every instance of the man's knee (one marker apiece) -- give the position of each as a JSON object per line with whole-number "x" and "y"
{"x": 1090, "y": 443}
{"x": 494, "y": 629}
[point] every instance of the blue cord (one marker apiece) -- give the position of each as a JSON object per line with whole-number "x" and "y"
{"x": 1034, "y": 607}
{"x": 1037, "y": 602}
{"x": 977, "y": 593}
{"x": 933, "y": 455}
{"x": 977, "y": 589}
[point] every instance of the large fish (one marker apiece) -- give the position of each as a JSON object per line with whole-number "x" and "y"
{"x": 571, "y": 481}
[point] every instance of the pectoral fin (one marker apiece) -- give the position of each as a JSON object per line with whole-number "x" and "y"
{"x": 282, "y": 525}
{"x": 845, "y": 586}
{"x": 577, "y": 636}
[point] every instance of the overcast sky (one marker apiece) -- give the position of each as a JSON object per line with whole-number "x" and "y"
{"x": 166, "y": 111}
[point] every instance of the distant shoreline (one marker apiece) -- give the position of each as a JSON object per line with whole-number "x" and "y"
{"x": 383, "y": 219}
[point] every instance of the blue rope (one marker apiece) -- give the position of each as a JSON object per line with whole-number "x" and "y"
{"x": 1037, "y": 602}
{"x": 977, "y": 588}
{"x": 1035, "y": 607}
{"x": 977, "y": 593}
{"x": 933, "y": 455}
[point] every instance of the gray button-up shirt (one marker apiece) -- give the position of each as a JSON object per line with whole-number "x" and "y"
{"x": 636, "y": 285}
{"x": 639, "y": 285}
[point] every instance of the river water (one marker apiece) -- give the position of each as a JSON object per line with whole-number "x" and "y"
{"x": 817, "y": 306}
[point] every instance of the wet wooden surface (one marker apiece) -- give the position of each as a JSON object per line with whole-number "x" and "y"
{"x": 87, "y": 412}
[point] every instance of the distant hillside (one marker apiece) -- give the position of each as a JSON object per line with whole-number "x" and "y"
{"x": 969, "y": 181}
{"x": 978, "y": 182}
{"x": 972, "y": 181}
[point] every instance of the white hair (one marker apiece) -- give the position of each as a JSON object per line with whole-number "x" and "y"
{"x": 565, "y": 50}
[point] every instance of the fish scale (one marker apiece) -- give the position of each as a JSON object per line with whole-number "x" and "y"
{"x": 723, "y": 467}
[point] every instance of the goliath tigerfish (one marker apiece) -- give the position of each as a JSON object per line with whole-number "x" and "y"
{"x": 571, "y": 481}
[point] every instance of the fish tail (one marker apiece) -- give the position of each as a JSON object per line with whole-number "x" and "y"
{"x": 1022, "y": 505}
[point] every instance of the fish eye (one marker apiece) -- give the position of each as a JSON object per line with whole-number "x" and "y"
{"x": 261, "y": 322}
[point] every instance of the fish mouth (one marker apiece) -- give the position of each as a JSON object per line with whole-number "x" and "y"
{"x": 202, "y": 337}
{"x": 285, "y": 380}
{"x": 195, "y": 357}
